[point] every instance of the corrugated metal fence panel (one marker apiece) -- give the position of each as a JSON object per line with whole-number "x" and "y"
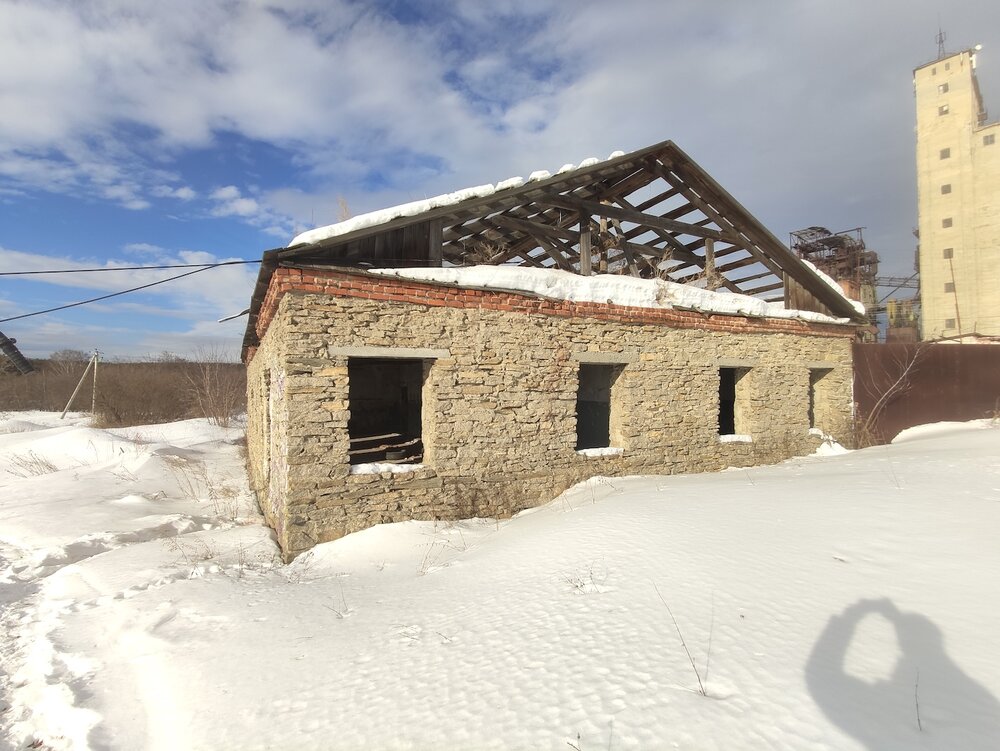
{"x": 925, "y": 383}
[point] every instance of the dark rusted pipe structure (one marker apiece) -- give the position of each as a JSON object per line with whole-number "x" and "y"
{"x": 14, "y": 355}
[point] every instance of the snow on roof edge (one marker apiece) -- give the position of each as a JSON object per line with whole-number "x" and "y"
{"x": 606, "y": 288}
{"x": 383, "y": 216}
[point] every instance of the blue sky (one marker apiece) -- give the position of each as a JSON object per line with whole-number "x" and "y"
{"x": 200, "y": 130}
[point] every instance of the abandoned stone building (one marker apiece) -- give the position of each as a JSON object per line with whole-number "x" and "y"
{"x": 478, "y": 353}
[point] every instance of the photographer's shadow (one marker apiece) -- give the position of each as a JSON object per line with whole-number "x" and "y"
{"x": 926, "y": 702}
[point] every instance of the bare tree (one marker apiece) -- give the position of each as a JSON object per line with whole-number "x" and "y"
{"x": 216, "y": 386}
{"x": 882, "y": 382}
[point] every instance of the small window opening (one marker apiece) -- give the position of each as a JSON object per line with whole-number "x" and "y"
{"x": 943, "y": 88}
{"x": 946, "y": 188}
{"x": 945, "y": 153}
{"x": 385, "y": 401}
{"x": 949, "y": 323}
{"x": 949, "y": 286}
{"x": 730, "y": 407}
{"x": 943, "y": 109}
{"x": 593, "y": 405}
{"x": 815, "y": 376}
{"x": 990, "y": 139}
{"x": 948, "y": 253}
{"x": 946, "y": 222}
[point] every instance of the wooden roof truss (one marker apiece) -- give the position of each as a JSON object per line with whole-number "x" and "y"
{"x": 651, "y": 214}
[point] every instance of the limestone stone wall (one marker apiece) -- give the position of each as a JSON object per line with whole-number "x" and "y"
{"x": 499, "y": 397}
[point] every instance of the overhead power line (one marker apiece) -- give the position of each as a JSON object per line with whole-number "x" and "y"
{"x": 127, "y": 268}
{"x": 122, "y": 292}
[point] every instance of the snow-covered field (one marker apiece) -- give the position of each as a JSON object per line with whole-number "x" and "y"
{"x": 847, "y": 601}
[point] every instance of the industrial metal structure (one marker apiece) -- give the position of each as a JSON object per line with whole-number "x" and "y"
{"x": 842, "y": 256}
{"x": 19, "y": 361}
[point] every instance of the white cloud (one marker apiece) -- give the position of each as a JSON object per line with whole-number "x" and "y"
{"x": 763, "y": 94}
{"x": 143, "y": 249}
{"x": 183, "y": 193}
{"x": 227, "y": 193}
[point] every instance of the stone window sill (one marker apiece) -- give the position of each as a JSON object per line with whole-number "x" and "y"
{"x": 607, "y": 451}
{"x": 735, "y": 438}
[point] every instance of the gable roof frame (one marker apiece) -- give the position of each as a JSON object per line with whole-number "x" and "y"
{"x": 653, "y": 213}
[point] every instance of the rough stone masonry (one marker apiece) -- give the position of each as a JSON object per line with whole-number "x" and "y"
{"x": 499, "y": 399}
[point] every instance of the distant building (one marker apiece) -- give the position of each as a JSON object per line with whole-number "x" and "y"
{"x": 958, "y": 186}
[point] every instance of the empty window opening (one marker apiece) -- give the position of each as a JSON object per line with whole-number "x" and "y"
{"x": 593, "y": 405}
{"x": 731, "y": 419}
{"x": 946, "y": 222}
{"x": 949, "y": 286}
{"x": 945, "y": 153}
{"x": 384, "y": 397}
{"x": 946, "y": 188}
{"x": 990, "y": 139}
{"x": 948, "y": 253}
{"x": 943, "y": 109}
{"x": 949, "y": 323}
{"x": 815, "y": 376}
{"x": 943, "y": 88}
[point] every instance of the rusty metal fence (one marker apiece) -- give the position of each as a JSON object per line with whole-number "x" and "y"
{"x": 897, "y": 386}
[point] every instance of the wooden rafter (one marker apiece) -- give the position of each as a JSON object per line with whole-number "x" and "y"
{"x": 596, "y": 208}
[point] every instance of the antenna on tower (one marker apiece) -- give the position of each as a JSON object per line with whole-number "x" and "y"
{"x": 941, "y": 36}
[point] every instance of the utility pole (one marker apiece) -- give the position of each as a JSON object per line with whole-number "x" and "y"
{"x": 93, "y": 402}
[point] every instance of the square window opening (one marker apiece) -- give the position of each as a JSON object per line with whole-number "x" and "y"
{"x": 943, "y": 109}
{"x": 948, "y": 253}
{"x": 989, "y": 140}
{"x": 946, "y": 222}
{"x": 943, "y": 88}
{"x": 731, "y": 408}
{"x": 949, "y": 323}
{"x": 946, "y": 153}
{"x": 593, "y": 405}
{"x": 386, "y": 421}
{"x": 949, "y": 286}
{"x": 946, "y": 188}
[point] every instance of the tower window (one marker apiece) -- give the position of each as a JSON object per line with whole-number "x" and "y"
{"x": 948, "y": 253}
{"x": 943, "y": 109}
{"x": 949, "y": 323}
{"x": 946, "y": 222}
{"x": 989, "y": 140}
{"x": 946, "y": 188}
{"x": 949, "y": 286}
{"x": 943, "y": 88}
{"x": 947, "y": 66}
{"x": 945, "y": 153}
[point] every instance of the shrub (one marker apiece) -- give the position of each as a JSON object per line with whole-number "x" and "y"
{"x": 132, "y": 393}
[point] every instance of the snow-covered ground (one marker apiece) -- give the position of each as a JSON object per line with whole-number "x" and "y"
{"x": 844, "y": 601}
